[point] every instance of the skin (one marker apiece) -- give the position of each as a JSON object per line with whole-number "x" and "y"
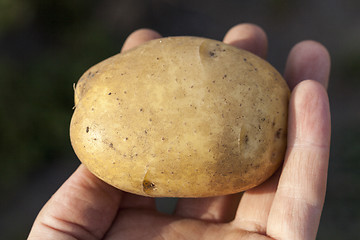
{"x": 287, "y": 206}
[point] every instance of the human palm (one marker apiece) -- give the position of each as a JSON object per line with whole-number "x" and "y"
{"x": 287, "y": 206}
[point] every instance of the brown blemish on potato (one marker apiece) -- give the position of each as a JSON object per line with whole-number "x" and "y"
{"x": 148, "y": 186}
{"x": 246, "y": 139}
{"x": 278, "y": 133}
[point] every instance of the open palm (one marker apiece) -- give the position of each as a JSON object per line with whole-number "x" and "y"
{"x": 287, "y": 206}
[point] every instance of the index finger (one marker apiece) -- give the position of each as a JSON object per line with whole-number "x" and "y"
{"x": 299, "y": 198}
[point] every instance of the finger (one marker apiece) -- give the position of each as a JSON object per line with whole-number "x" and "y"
{"x": 249, "y": 37}
{"x": 139, "y": 37}
{"x": 139, "y": 224}
{"x": 212, "y": 209}
{"x": 307, "y": 60}
{"x": 135, "y": 201}
{"x": 84, "y": 207}
{"x": 298, "y": 202}
{"x": 222, "y": 209}
{"x": 253, "y": 211}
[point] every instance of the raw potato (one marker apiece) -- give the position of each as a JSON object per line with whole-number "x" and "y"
{"x": 181, "y": 117}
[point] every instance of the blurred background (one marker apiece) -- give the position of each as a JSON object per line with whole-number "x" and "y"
{"x": 46, "y": 45}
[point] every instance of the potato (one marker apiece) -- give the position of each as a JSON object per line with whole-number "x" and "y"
{"x": 181, "y": 117}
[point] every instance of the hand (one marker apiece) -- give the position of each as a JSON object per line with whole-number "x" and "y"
{"x": 287, "y": 206}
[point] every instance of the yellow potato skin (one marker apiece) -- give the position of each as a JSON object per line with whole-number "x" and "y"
{"x": 181, "y": 117}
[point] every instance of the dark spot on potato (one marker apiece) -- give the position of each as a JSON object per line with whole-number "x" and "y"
{"x": 278, "y": 133}
{"x": 212, "y": 54}
{"x": 87, "y": 129}
{"x": 255, "y": 166}
{"x": 246, "y": 140}
{"x": 111, "y": 145}
{"x": 224, "y": 76}
{"x": 141, "y": 109}
{"x": 245, "y": 59}
{"x": 109, "y": 93}
{"x": 148, "y": 185}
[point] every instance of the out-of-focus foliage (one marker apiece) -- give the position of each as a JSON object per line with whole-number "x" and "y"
{"x": 14, "y": 13}
{"x": 40, "y": 60}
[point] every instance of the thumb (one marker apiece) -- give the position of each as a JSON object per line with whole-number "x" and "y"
{"x": 83, "y": 208}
